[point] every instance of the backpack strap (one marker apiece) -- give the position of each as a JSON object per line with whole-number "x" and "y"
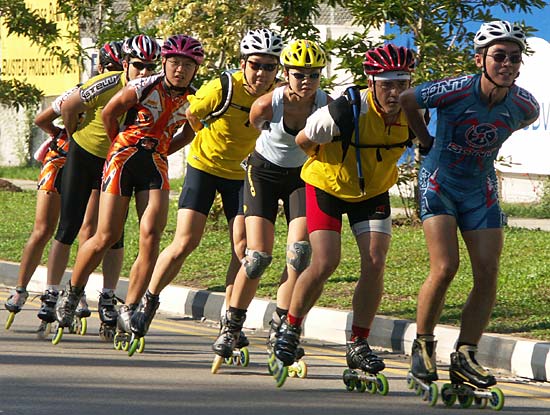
{"x": 226, "y": 80}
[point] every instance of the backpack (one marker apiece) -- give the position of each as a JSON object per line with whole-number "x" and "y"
{"x": 345, "y": 112}
{"x": 226, "y": 80}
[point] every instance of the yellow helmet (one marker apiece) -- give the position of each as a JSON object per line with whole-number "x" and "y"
{"x": 303, "y": 54}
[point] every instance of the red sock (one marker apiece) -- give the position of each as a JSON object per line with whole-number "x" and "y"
{"x": 357, "y": 331}
{"x": 295, "y": 321}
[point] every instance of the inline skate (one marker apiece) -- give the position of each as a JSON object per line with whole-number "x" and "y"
{"x": 285, "y": 352}
{"x": 46, "y": 313}
{"x": 65, "y": 310}
{"x": 423, "y": 371}
{"x": 231, "y": 345}
{"x": 15, "y": 303}
{"x": 108, "y": 315}
{"x": 123, "y": 335}
{"x": 360, "y": 356}
{"x": 470, "y": 382}
{"x": 299, "y": 367}
{"x": 141, "y": 320}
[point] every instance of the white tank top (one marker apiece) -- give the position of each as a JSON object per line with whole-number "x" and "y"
{"x": 277, "y": 145}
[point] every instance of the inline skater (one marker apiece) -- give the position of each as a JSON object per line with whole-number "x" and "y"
{"x": 355, "y": 182}
{"x": 85, "y": 159}
{"x": 52, "y": 154}
{"x": 273, "y": 174}
{"x": 458, "y": 190}
{"x": 214, "y": 161}
{"x": 137, "y": 163}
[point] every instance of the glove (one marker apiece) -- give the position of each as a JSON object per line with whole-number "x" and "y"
{"x": 43, "y": 150}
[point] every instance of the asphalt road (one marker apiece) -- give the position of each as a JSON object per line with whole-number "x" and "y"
{"x": 83, "y": 375}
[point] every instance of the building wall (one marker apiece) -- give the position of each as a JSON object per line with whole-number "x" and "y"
{"x": 15, "y": 129}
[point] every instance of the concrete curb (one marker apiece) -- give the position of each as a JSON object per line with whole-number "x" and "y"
{"x": 524, "y": 358}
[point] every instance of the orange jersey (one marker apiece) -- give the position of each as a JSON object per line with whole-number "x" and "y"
{"x": 156, "y": 117}
{"x": 53, "y": 163}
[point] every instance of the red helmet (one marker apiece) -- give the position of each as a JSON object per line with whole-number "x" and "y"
{"x": 389, "y": 58}
{"x": 182, "y": 45}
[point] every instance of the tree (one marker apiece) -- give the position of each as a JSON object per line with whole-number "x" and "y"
{"x": 441, "y": 30}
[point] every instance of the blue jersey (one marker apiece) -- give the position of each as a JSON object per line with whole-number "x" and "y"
{"x": 469, "y": 132}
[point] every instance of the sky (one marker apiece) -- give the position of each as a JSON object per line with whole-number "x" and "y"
{"x": 540, "y": 20}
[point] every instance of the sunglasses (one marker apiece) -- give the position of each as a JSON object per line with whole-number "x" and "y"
{"x": 268, "y": 67}
{"x": 501, "y": 57}
{"x": 300, "y": 76}
{"x": 140, "y": 66}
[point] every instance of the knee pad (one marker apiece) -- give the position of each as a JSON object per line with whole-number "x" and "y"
{"x": 255, "y": 263}
{"x": 298, "y": 255}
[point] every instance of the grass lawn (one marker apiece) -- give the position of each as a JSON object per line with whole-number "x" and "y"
{"x": 523, "y": 303}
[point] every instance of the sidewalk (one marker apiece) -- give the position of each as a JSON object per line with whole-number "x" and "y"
{"x": 520, "y": 357}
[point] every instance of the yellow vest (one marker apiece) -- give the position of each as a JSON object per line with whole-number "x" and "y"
{"x": 95, "y": 94}
{"x": 327, "y": 172}
{"x": 224, "y": 142}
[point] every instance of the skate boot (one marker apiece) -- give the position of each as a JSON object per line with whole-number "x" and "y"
{"x": 67, "y": 304}
{"x": 16, "y": 300}
{"x": 470, "y": 382}
{"x": 122, "y": 337}
{"x": 229, "y": 334}
{"x": 298, "y": 368}
{"x": 230, "y": 346}
{"x": 46, "y": 313}
{"x": 65, "y": 309}
{"x": 464, "y": 368}
{"x": 15, "y": 303}
{"x": 47, "y": 309}
{"x": 423, "y": 371}
{"x": 83, "y": 310}
{"x": 360, "y": 356}
{"x": 242, "y": 340}
{"x": 141, "y": 320}
{"x": 287, "y": 343}
{"x": 108, "y": 315}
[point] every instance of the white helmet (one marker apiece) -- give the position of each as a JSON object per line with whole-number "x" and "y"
{"x": 499, "y": 30}
{"x": 261, "y": 41}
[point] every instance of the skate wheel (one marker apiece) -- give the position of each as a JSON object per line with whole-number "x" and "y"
{"x": 10, "y": 319}
{"x": 496, "y": 401}
{"x": 244, "y": 357}
{"x": 480, "y": 403}
{"x": 447, "y": 395}
{"x": 465, "y": 401}
{"x": 44, "y": 330}
{"x": 301, "y": 370}
{"x": 57, "y": 338}
{"x": 410, "y": 381}
{"x": 117, "y": 341}
{"x": 371, "y": 387}
{"x": 360, "y": 386}
{"x": 278, "y": 370}
{"x": 83, "y": 326}
{"x": 432, "y": 394}
{"x": 228, "y": 360}
{"x": 134, "y": 345}
{"x": 418, "y": 388}
{"x": 218, "y": 360}
{"x": 382, "y": 385}
{"x": 124, "y": 344}
{"x": 347, "y": 377}
{"x": 141, "y": 345}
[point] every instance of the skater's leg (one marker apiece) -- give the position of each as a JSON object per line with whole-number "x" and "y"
{"x": 151, "y": 227}
{"x": 442, "y": 242}
{"x": 484, "y": 247}
{"x": 189, "y": 231}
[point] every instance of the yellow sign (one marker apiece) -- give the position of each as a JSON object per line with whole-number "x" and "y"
{"x": 27, "y": 62}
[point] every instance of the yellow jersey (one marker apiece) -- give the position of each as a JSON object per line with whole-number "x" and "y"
{"x": 94, "y": 94}
{"x": 224, "y": 142}
{"x": 326, "y": 170}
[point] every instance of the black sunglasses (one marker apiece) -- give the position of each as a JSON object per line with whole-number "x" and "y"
{"x": 140, "y": 66}
{"x": 501, "y": 57}
{"x": 300, "y": 76}
{"x": 269, "y": 67}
